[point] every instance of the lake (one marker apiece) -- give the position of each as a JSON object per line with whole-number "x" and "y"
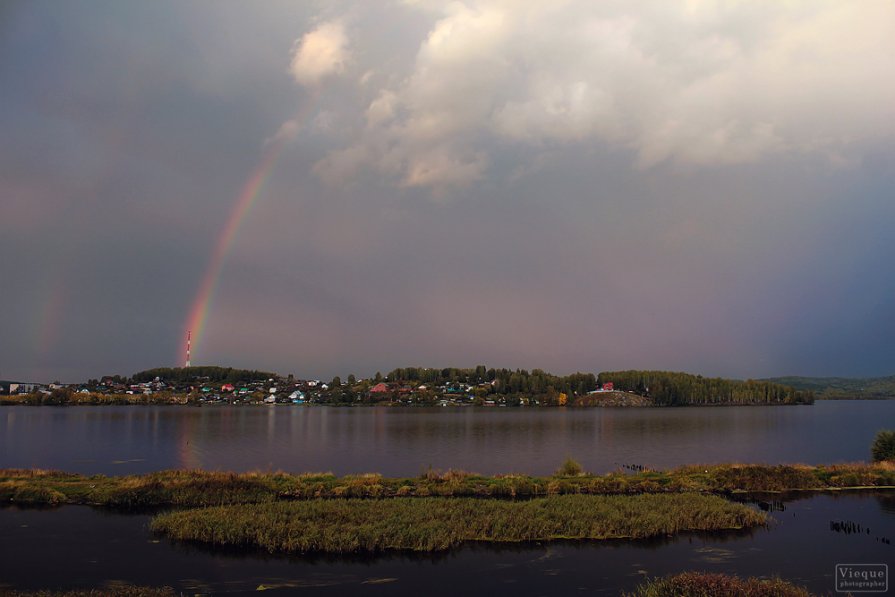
{"x": 406, "y": 441}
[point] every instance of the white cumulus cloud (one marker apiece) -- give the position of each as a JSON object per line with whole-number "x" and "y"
{"x": 319, "y": 53}
{"x": 703, "y": 84}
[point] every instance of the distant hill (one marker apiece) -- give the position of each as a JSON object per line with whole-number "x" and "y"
{"x": 842, "y": 387}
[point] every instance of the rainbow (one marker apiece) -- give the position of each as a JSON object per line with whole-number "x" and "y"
{"x": 198, "y": 314}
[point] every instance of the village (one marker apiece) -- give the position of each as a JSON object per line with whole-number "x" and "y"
{"x": 459, "y": 390}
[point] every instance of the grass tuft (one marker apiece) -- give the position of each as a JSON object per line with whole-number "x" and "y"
{"x": 702, "y": 584}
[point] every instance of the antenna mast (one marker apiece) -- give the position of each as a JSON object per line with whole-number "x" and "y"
{"x": 189, "y": 341}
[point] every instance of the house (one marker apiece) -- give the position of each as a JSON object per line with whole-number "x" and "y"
{"x": 379, "y": 388}
{"x": 227, "y": 387}
{"x": 607, "y": 387}
{"x": 11, "y": 387}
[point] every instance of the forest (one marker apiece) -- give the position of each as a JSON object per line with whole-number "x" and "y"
{"x": 668, "y": 388}
{"x": 663, "y": 388}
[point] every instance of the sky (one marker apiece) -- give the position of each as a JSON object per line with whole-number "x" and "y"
{"x": 325, "y": 188}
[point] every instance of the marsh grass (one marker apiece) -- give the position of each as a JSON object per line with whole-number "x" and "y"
{"x": 204, "y": 488}
{"x": 702, "y": 584}
{"x": 434, "y": 524}
{"x": 117, "y": 590}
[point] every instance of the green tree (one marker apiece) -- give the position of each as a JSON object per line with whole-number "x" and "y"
{"x": 569, "y": 468}
{"x": 883, "y": 447}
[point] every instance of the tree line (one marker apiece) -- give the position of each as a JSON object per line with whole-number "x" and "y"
{"x": 203, "y": 373}
{"x": 668, "y": 388}
{"x": 502, "y": 381}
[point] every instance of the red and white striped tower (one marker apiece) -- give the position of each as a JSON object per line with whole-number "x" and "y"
{"x": 189, "y": 341}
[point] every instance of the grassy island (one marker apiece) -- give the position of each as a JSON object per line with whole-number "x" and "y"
{"x": 434, "y": 524}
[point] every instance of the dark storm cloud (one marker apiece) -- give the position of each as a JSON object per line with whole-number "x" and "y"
{"x": 575, "y": 188}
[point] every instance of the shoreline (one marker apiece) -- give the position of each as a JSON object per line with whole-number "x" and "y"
{"x": 635, "y": 402}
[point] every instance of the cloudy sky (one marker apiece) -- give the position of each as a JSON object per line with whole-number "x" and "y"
{"x": 570, "y": 185}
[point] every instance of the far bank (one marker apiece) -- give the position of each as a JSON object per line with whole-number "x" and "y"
{"x": 411, "y": 386}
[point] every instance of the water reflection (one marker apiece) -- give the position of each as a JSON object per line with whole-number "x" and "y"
{"x": 887, "y": 502}
{"x": 122, "y": 439}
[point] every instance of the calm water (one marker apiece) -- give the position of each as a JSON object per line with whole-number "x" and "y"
{"x": 405, "y": 441}
{"x": 76, "y": 546}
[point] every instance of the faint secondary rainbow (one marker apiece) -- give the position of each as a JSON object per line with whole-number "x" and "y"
{"x": 50, "y": 316}
{"x": 198, "y": 314}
